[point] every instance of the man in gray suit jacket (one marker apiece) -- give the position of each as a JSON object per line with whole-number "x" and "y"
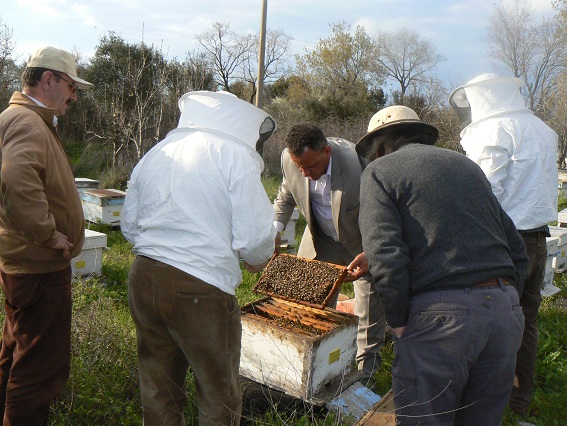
{"x": 321, "y": 176}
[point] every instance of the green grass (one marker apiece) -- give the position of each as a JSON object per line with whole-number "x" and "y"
{"x": 103, "y": 386}
{"x": 271, "y": 185}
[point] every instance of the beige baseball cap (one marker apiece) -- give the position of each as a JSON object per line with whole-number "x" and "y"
{"x": 57, "y": 60}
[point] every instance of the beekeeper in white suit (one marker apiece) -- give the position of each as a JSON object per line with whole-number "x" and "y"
{"x": 518, "y": 153}
{"x": 195, "y": 207}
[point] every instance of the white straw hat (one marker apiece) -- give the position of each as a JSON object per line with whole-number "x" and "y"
{"x": 397, "y": 116}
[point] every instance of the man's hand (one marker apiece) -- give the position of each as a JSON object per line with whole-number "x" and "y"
{"x": 357, "y": 268}
{"x": 256, "y": 268}
{"x": 62, "y": 244}
{"x": 398, "y": 331}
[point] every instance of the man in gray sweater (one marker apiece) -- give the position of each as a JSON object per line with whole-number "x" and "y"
{"x": 448, "y": 264}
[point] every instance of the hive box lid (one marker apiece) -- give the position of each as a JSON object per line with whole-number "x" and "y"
{"x": 104, "y": 197}
{"x": 305, "y": 281}
{"x": 86, "y": 183}
{"x": 559, "y": 232}
{"x": 94, "y": 239}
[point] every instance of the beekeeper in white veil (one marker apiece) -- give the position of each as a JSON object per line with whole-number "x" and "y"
{"x": 195, "y": 207}
{"x": 518, "y": 153}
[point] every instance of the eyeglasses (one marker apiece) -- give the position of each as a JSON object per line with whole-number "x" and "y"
{"x": 72, "y": 85}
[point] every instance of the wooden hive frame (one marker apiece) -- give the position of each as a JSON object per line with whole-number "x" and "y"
{"x": 265, "y": 284}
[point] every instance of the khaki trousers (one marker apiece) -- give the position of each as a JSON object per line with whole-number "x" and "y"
{"x": 182, "y": 321}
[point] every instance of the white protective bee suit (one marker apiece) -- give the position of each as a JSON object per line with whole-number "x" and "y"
{"x": 518, "y": 153}
{"x": 194, "y": 208}
{"x": 515, "y": 149}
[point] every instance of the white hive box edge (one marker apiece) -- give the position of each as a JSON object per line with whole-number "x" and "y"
{"x": 103, "y": 205}
{"x": 89, "y": 261}
{"x": 288, "y": 235}
{"x": 552, "y": 252}
{"x": 560, "y": 262}
{"x": 562, "y": 217}
{"x": 291, "y": 340}
{"x": 297, "y": 364}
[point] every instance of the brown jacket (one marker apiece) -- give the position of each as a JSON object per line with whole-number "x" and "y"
{"x": 38, "y": 194}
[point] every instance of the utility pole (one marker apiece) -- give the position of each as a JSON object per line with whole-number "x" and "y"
{"x": 261, "y": 56}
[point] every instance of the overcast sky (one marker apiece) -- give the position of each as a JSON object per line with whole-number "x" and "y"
{"x": 456, "y": 28}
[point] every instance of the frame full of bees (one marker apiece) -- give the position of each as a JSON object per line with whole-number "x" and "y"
{"x": 291, "y": 340}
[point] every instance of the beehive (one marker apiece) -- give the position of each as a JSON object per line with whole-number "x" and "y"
{"x": 549, "y": 289}
{"x": 293, "y": 345}
{"x": 85, "y": 184}
{"x": 560, "y": 261}
{"x": 103, "y": 205}
{"x": 89, "y": 261}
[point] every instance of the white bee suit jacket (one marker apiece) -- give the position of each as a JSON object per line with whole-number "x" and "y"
{"x": 196, "y": 201}
{"x": 516, "y": 150}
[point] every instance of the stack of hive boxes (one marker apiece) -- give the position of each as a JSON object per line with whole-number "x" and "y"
{"x": 556, "y": 258}
{"x": 89, "y": 261}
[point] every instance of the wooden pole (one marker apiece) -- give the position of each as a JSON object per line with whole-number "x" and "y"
{"x": 261, "y": 56}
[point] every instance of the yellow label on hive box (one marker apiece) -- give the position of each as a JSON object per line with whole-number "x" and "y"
{"x": 334, "y": 356}
{"x": 115, "y": 213}
{"x": 80, "y": 264}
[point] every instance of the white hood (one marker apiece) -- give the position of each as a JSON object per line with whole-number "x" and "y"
{"x": 489, "y": 95}
{"x": 515, "y": 149}
{"x": 226, "y": 113}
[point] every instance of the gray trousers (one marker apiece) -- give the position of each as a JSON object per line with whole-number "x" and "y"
{"x": 368, "y": 308}
{"x": 182, "y": 321}
{"x": 454, "y": 364}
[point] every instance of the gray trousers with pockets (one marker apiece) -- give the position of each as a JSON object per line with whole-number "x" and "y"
{"x": 454, "y": 363}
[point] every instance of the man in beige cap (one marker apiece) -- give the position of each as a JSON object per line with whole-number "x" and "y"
{"x": 41, "y": 230}
{"x": 447, "y": 262}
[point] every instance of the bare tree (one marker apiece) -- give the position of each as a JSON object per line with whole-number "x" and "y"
{"x": 131, "y": 83}
{"x": 8, "y": 74}
{"x": 532, "y": 50}
{"x": 226, "y": 51}
{"x": 557, "y": 103}
{"x": 276, "y": 60}
{"x": 407, "y": 58}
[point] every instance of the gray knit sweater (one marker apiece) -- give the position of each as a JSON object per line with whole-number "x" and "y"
{"x": 429, "y": 220}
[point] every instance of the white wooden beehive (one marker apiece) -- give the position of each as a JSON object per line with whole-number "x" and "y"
{"x": 103, "y": 205}
{"x": 298, "y": 359}
{"x": 89, "y": 261}
{"x": 560, "y": 261}
{"x": 288, "y": 235}
{"x": 296, "y": 363}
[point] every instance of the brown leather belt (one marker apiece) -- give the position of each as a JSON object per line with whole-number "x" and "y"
{"x": 493, "y": 282}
